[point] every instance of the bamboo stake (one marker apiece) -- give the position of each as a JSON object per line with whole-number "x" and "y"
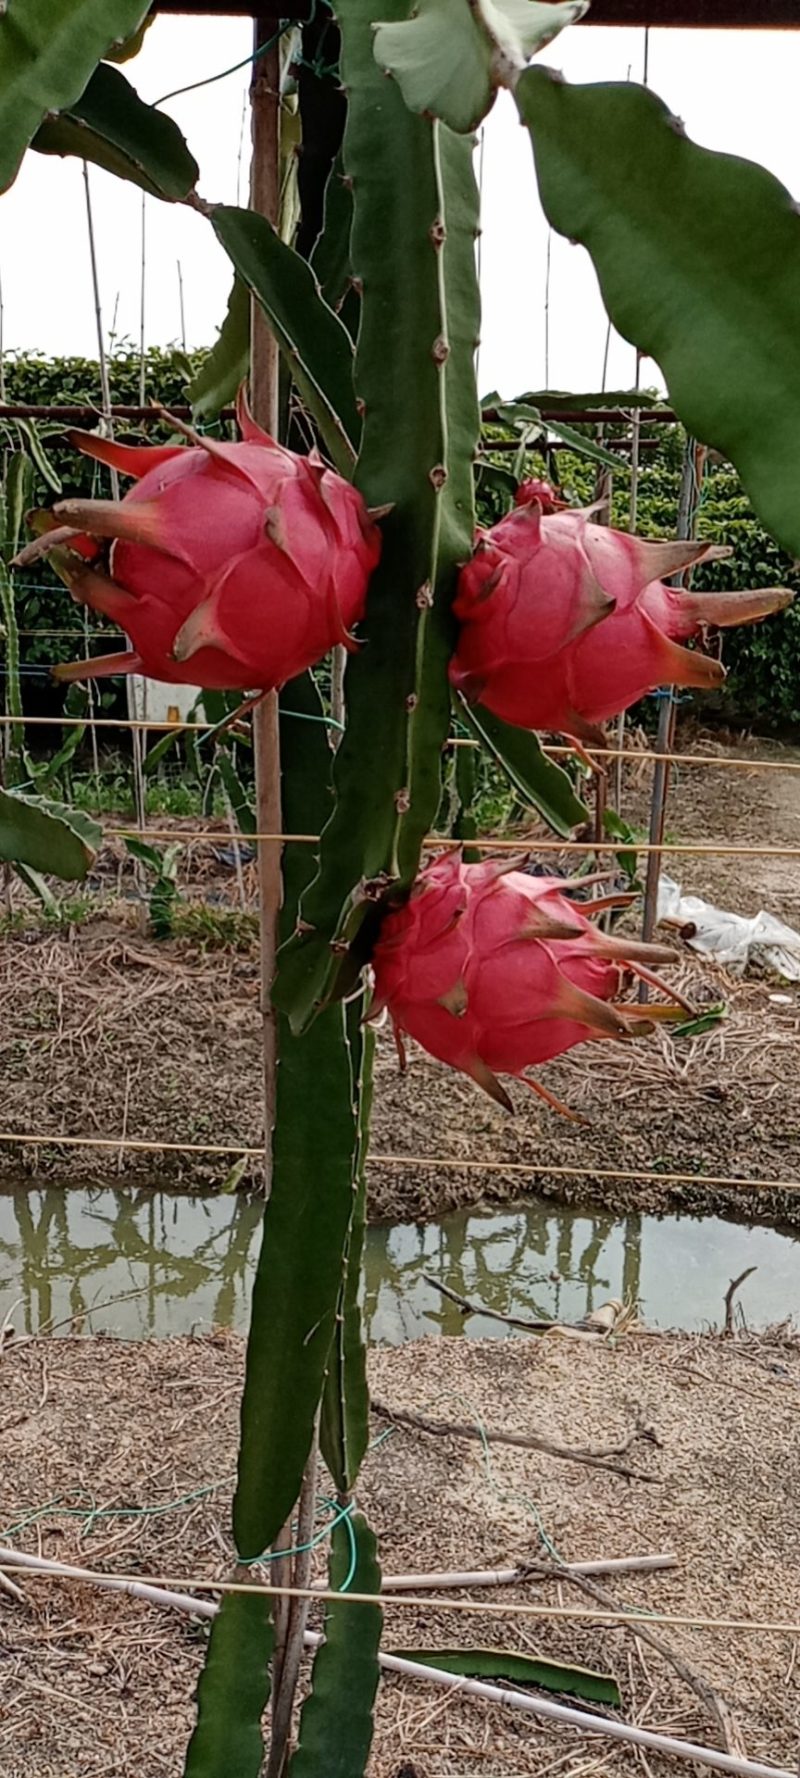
{"x": 265, "y": 198}
{"x": 587, "y": 1722}
{"x": 459, "y": 1163}
{"x": 285, "y": 1680}
{"x": 2, "y": 348}
{"x": 688, "y": 507}
{"x": 105, "y": 392}
{"x": 447, "y": 1580}
{"x": 391, "y": 1583}
{"x": 142, "y": 372}
{"x": 181, "y": 308}
{"x": 337, "y": 691}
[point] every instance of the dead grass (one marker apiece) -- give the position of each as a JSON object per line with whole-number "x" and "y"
{"x": 103, "y": 1030}
{"x": 119, "y": 1456}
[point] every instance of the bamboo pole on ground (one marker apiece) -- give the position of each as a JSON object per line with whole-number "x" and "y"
{"x": 585, "y": 1721}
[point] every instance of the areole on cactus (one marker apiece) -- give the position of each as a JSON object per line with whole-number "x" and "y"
{"x": 234, "y": 566}
{"x": 565, "y": 623}
{"x": 493, "y": 971}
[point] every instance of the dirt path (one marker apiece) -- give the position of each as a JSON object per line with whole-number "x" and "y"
{"x": 737, "y": 806}
{"x": 119, "y": 1457}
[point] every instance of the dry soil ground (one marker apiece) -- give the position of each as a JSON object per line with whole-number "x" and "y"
{"x": 104, "y": 1031}
{"x": 119, "y": 1457}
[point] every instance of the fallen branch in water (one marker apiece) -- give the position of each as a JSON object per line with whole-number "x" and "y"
{"x": 612, "y": 1317}
{"x": 467, "y": 1308}
{"x": 603, "y": 1457}
{"x": 730, "y": 1294}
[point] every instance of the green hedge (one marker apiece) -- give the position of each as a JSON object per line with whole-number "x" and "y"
{"x": 763, "y": 660}
{"x": 43, "y": 602}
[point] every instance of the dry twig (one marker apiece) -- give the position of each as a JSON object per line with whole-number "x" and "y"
{"x": 603, "y": 1457}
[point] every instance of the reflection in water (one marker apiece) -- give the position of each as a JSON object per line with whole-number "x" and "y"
{"x": 190, "y": 1260}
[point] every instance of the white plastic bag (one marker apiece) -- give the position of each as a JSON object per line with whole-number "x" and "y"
{"x": 729, "y": 938}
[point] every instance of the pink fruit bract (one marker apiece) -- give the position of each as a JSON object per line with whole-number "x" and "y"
{"x": 231, "y": 566}
{"x": 565, "y": 623}
{"x": 493, "y": 971}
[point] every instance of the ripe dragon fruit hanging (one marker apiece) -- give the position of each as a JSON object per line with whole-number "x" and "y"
{"x": 565, "y": 623}
{"x": 231, "y": 565}
{"x": 494, "y": 971}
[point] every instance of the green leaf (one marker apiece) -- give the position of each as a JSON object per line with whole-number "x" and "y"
{"x": 48, "y": 50}
{"x": 49, "y": 770}
{"x": 233, "y": 1691}
{"x": 294, "y": 1299}
{"x": 29, "y": 432}
{"x": 560, "y": 398}
{"x": 238, "y": 796}
{"x": 130, "y": 47}
{"x": 336, "y": 1719}
{"x": 495, "y": 476}
{"x": 449, "y": 57}
{"x": 159, "y": 751}
{"x": 461, "y": 316}
{"x": 228, "y": 362}
{"x": 10, "y": 638}
{"x": 143, "y": 852}
{"x": 698, "y": 257}
{"x": 707, "y": 1021}
{"x": 330, "y": 260}
{"x": 614, "y": 825}
{"x": 537, "y": 779}
{"x": 515, "y": 1669}
{"x": 522, "y": 414}
{"x": 465, "y": 826}
{"x": 520, "y": 28}
{"x": 317, "y": 348}
{"x": 110, "y": 125}
{"x": 45, "y": 835}
{"x": 299, "y": 1273}
{"x": 39, "y": 887}
{"x": 441, "y": 60}
{"x": 588, "y": 447}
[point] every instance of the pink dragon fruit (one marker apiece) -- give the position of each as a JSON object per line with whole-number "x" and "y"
{"x": 231, "y": 566}
{"x": 493, "y": 971}
{"x": 565, "y": 623}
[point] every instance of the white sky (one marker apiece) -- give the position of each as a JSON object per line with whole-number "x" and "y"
{"x": 733, "y": 90}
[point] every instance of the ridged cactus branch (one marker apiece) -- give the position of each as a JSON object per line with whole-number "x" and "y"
{"x": 460, "y": 303}
{"x": 336, "y": 1719}
{"x": 344, "y": 1423}
{"x": 417, "y": 444}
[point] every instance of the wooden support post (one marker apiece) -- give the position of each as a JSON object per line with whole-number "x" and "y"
{"x": 264, "y": 197}
{"x": 688, "y": 507}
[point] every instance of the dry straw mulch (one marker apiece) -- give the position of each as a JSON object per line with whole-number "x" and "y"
{"x": 120, "y": 1456}
{"x": 103, "y": 1030}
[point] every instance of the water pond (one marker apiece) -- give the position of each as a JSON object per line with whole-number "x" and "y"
{"x": 173, "y": 1263}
